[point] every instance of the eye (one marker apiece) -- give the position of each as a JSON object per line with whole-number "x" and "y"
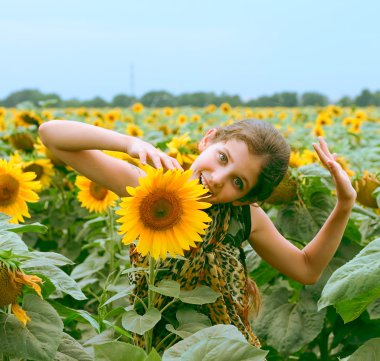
{"x": 223, "y": 157}
{"x": 238, "y": 182}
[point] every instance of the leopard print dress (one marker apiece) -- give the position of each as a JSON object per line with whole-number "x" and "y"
{"x": 218, "y": 262}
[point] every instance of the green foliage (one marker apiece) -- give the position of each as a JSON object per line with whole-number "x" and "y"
{"x": 39, "y": 339}
{"x": 370, "y": 351}
{"x": 118, "y": 351}
{"x": 189, "y": 322}
{"x": 288, "y": 326}
{"x": 133, "y": 322}
{"x": 70, "y": 349}
{"x": 355, "y": 285}
{"x": 222, "y": 341}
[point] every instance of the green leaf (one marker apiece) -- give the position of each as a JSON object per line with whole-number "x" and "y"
{"x": 41, "y": 258}
{"x": 288, "y": 326}
{"x": 352, "y": 287}
{"x": 39, "y": 339}
{"x": 105, "y": 336}
{"x": 374, "y": 310}
{"x": 186, "y": 330}
{"x": 219, "y": 342}
{"x": 92, "y": 264}
{"x": 297, "y": 223}
{"x": 133, "y": 322}
{"x": 61, "y": 280}
{"x": 12, "y": 242}
{"x": 133, "y": 269}
{"x": 22, "y": 228}
{"x": 370, "y": 351}
{"x": 167, "y": 288}
{"x": 314, "y": 170}
{"x": 199, "y": 295}
{"x": 72, "y": 314}
{"x": 119, "y": 295}
{"x": 71, "y": 350}
{"x": 190, "y": 322}
{"x": 188, "y": 315}
{"x": 153, "y": 356}
{"x": 118, "y": 351}
{"x": 118, "y": 329}
{"x": 264, "y": 273}
{"x": 352, "y": 232}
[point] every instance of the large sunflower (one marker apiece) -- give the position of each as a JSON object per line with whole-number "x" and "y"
{"x": 93, "y": 196}
{"x": 16, "y": 188}
{"x": 164, "y": 212}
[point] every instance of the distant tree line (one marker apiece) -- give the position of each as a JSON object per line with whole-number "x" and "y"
{"x": 199, "y": 99}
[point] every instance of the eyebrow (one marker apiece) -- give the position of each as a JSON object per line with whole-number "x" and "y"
{"x": 241, "y": 176}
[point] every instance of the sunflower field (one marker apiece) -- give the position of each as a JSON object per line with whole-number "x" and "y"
{"x": 65, "y": 290}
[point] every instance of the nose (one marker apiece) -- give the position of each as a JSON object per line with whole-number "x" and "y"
{"x": 217, "y": 179}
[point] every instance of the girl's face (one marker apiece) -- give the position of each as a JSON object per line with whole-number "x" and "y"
{"x": 227, "y": 169}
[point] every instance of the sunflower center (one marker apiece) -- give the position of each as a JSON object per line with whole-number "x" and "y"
{"x": 97, "y": 191}
{"x": 36, "y": 168}
{"x": 9, "y": 187}
{"x": 160, "y": 210}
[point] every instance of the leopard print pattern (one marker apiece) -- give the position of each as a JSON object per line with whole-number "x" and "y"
{"x": 218, "y": 262}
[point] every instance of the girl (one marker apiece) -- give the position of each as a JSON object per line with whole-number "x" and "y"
{"x": 240, "y": 164}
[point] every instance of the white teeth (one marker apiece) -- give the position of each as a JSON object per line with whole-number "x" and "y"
{"x": 204, "y": 183}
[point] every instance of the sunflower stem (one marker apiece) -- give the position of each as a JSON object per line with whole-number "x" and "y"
{"x": 151, "y": 296}
{"x": 142, "y": 302}
{"x": 162, "y": 342}
{"x": 111, "y": 246}
{"x": 174, "y": 300}
{"x": 152, "y": 274}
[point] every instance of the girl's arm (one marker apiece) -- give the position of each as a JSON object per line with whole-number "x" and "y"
{"x": 306, "y": 265}
{"x": 80, "y": 145}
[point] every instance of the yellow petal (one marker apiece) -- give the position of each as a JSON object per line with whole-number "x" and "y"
{"x": 20, "y": 314}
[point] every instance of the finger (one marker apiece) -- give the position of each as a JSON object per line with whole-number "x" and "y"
{"x": 155, "y": 159}
{"x": 176, "y": 163}
{"x": 142, "y": 156}
{"x": 322, "y": 156}
{"x": 167, "y": 163}
{"x": 324, "y": 147}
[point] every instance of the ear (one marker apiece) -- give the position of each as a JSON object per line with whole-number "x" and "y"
{"x": 203, "y": 144}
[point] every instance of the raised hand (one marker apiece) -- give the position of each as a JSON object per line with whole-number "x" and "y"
{"x": 147, "y": 153}
{"x": 346, "y": 194}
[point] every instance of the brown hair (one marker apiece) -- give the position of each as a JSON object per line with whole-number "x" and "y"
{"x": 263, "y": 140}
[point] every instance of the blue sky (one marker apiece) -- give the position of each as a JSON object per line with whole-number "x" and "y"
{"x": 83, "y": 48}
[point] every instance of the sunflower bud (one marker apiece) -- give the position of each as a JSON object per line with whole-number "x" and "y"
{"x": 285, "y": 192}
{"x": 365, "y": 187}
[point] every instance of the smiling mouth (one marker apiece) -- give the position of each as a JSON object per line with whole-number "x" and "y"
{"x": 203, "y": 182}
